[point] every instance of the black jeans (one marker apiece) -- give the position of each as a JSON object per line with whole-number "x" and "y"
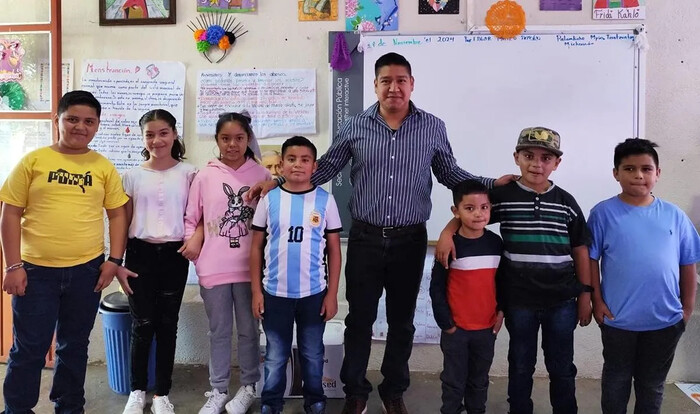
{"x": 465, "y": 373}
{"x": 155, "y": 305}
{"x": 645, "y": 356}
{"x": 376, "y": 263}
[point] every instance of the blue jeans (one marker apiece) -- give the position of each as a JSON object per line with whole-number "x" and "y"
{"x": 645, "y": 356}
{"x": 60, "y": 299}
{"x": 558, "y": 323}
{"x": 278, "y": 323}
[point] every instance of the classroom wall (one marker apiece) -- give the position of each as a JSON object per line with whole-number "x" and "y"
{"x": 277, "y": 40}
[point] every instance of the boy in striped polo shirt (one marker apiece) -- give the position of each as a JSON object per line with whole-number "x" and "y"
{"x": 464, "y": 303}
{"x": 544, "y": 278}
{"x": 298, "y": 225}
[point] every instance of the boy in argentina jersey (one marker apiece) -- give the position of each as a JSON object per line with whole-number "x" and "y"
{"x": 298, "y": 224}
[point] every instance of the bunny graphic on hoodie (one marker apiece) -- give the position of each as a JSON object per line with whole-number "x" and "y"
{"x": 216, "y": 199}
{"x": 235, "y": 222}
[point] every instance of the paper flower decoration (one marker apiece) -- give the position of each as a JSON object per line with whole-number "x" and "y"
{"x": 505, "y": 19}
{"x": 12, "y": 94}
{"x": 214, "y": 30}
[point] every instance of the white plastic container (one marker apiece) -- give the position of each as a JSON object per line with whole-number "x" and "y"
{"x": 333, "y": 359}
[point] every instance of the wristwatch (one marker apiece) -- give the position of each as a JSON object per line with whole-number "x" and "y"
{"x": 587, "y": 289}
{"x": 116, "y": 261}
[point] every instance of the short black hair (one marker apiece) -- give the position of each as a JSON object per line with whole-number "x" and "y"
{"x": 468, "y": 187}
{"x": 299, "y": 141}
{"x": 178, "y": 149}
{"x": 391, "y": 58}
{"x": 635, "y": 146}
{"x": 79, "y": 98}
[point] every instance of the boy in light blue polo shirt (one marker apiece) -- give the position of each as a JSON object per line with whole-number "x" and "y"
{"x": 644, "y": 292}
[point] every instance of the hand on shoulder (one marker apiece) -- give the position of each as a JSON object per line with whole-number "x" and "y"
{"x": 503, "y": 180}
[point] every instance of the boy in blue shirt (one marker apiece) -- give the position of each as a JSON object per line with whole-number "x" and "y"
{"x": 648, "y": 248}
{"x": 544, "y": 276}
{"x": 302, "y": 225}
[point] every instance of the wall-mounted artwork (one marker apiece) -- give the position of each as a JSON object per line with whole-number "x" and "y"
{"x": 136, "y": 12}
{"x": 438, "y": 6}
{"x": 313, "y": 10}
{"x": 372, "y": 15}
{"x": 271, "y": 159}
{"x": 11, "y": 54}
{"x": 227, "y": 6}
{"x": 561, "y": 5}
{"x": 619, "y": 9}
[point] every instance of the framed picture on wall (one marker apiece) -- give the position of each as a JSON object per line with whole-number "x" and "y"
{"x": 136, "y": 12}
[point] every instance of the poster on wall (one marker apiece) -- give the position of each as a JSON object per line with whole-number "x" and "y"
{"x": 314, "y": 10}
{"x": 561, "y": 5}
{"x": 281, "y": 102}
{"x": 619, "y": 9}
{"x": 136, "y": 12}
{"x": 127, "y": 89}
{"x": 372, "y": 15}
{"x": 17, "y": 138}
{"x": 438, "y": 6}
{"x": 11, "y": 54}
{"x": 45, "y": 80}
{"x": 227, "y": 6}
{"x": 427, "y": 331}
{"x": 271, "y": 159}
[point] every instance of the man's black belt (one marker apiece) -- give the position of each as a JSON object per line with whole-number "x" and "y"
{"x": 389, "y": 232}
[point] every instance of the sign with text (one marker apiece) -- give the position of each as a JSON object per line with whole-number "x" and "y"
{"x": 619, "y": 9}
{"x": 127, "y": 89}
{"x": 346, "y": 101}
{"x": 281, "y": 101}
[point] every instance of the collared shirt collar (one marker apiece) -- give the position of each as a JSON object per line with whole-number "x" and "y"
{"x": 526, "y": 188}
{"x": 373, "y": 111}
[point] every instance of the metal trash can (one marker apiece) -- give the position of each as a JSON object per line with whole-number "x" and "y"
{"x": 116, "y": 323}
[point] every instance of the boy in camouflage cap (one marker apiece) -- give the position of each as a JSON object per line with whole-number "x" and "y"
{"x": 544, "y": 278}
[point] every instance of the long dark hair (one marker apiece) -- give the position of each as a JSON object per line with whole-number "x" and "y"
{"x": 243, "y": 121}
{"x": 178, "y": 149}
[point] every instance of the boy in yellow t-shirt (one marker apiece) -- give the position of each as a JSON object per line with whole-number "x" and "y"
{"x": 53, "y": 243}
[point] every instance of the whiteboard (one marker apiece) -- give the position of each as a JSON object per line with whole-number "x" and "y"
{"x": 586, "y": 86}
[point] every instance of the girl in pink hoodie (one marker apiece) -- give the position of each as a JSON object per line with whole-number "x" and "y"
{"x": 216, "y": 198}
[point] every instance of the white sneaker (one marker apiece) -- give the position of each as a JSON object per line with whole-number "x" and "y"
{"x": 242, "y": 401}
{"x": 162, "y": 405}
{"x": 136, "y": 403}
{"x": 215, "y": 402}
